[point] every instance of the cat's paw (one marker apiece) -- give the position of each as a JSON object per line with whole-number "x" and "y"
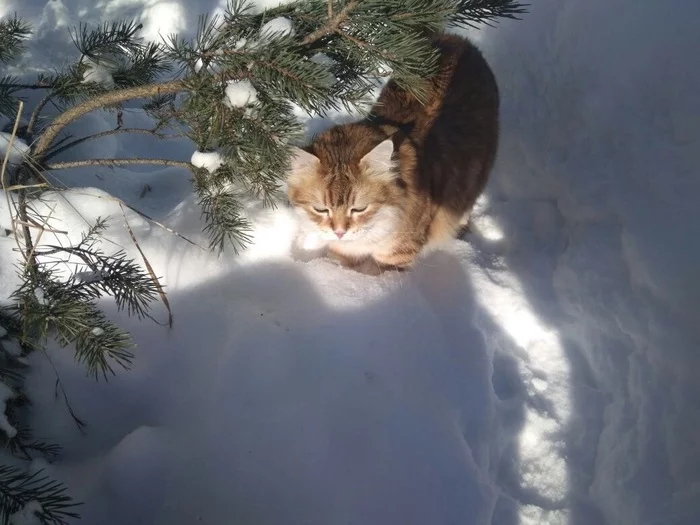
{"x": 371, "y": 267}
{"x": 307, "y": 247}
{"x": 368, "y": 266}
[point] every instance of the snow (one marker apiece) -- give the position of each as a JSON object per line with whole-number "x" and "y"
{"x": 99, "y": 74}
{"x": 258, "y": 6}
{"x": 543, "y": 372}
{"x": 279, "y": 27}
{"x": 40, "y": 295}
{"x": 18, "y": 150}
{"x": 27, "y": 515}
{"x": 6, "y": 393}
{"x": 89, "y": 276}
{"x": 323, "y": 59}
{"x": 210, "y": 160}
{"x": 240, "y": 93}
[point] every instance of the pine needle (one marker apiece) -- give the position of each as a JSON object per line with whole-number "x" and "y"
{"x": 156, "y": 282}
{"x": 3, "y": 173}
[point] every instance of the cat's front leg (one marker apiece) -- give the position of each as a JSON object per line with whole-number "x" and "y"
{"x": 308, "y": 246}
{"x": 369, "y": 266}
{"x": 397, "y": 261}
{"x": 365, "y": 265}
{"x": 343, "y": 259}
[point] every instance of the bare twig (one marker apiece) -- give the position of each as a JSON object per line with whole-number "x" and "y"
{"x": 16, "y": 187}
{"x": 107, "y": 99}
{"x": 330, "y": 9}
{"x": 61, "y": 185}
{"x": 42, "y": 227}
{"x": 156, "y": 282}
{"x": 142, "y": 214}
{"x": 3, "y": 172}
{"x": 165, "y": 227}
{"x": 117, "y": 162}
{"x": 27, "y": 86}
{"x": 333, "y": 24}
{"x": 59, "y": 385}
{"x": 102, "y": 134}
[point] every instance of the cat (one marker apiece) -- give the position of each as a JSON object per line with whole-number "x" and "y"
{"x": 404, "y": 180}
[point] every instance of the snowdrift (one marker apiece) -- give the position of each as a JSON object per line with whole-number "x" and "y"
{"x": 543, "y": 371}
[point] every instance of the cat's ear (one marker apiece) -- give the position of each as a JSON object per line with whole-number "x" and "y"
{"x": 302, "y": 159}
{"x": 380, "y": 156}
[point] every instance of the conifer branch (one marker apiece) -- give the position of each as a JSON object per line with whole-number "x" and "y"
{"x": 116, "y": 162}
{"x": 332, "y": 25}
{"x": 18, "y": 488}
{"x": 20, "y": 87}
{"x": 36, "y": 112}
{"x": 26, "y": 252}
{"x": 151, "y": 272}
{"x": 141, "y": 214}
{"x": 13, "y": 33}
{"x": 107, "y": 99}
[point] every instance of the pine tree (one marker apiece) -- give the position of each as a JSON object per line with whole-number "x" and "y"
{"x": 231, "y": 90}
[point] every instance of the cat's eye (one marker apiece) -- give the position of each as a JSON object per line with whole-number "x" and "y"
{"x": 320, "y": 210}
{"x": 358, "y": 210}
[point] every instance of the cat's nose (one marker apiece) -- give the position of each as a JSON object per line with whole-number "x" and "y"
{"x": 339, "y": 233}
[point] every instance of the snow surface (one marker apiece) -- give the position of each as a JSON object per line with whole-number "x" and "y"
{"x": 240, "y": 93}
{"x": 543, "y": 372}
{"x": 27, "y": 515}
{"x": 98, "y": 74}
{"x": 18, "y": 150}
{"x": 210, "y": 160}
{"x": 6, "y": 393}
{"x": 277, "y": 28}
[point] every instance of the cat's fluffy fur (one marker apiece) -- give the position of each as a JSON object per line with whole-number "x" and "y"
{"x": 380, "y": 191}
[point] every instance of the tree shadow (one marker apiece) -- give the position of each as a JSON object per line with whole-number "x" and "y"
{"x": 378, "y": 401}
{"x": 531, "y": 238}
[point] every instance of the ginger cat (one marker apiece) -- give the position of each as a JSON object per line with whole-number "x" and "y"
{"x": 405, "y": 179}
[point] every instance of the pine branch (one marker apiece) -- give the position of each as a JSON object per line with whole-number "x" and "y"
{"x": 13, "y": 34}
{"x": 471, "y": 12}
{"x": 332, "y": 25}
{"x": 116, "y": 162}
{"x": 107, "y": 99}
{"x": 19, "y": 87}
{"x": 143, "y": 215}
{"x": 18, "y": 488}
{"x": 30, "y": 262}
{"x": 151, "y": 272}
{"x": 50, "y": 307}
{"x": 33, "y": 119}
{"x": 114, "y": 275}
{"x": 23, "y": 444}
{"x": 8, "y": 102}
{"x": 109, "y": 38}
{"x": 221, "y": 209}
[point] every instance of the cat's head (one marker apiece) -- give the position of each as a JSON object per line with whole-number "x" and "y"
{"x": 347, "y": 200}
